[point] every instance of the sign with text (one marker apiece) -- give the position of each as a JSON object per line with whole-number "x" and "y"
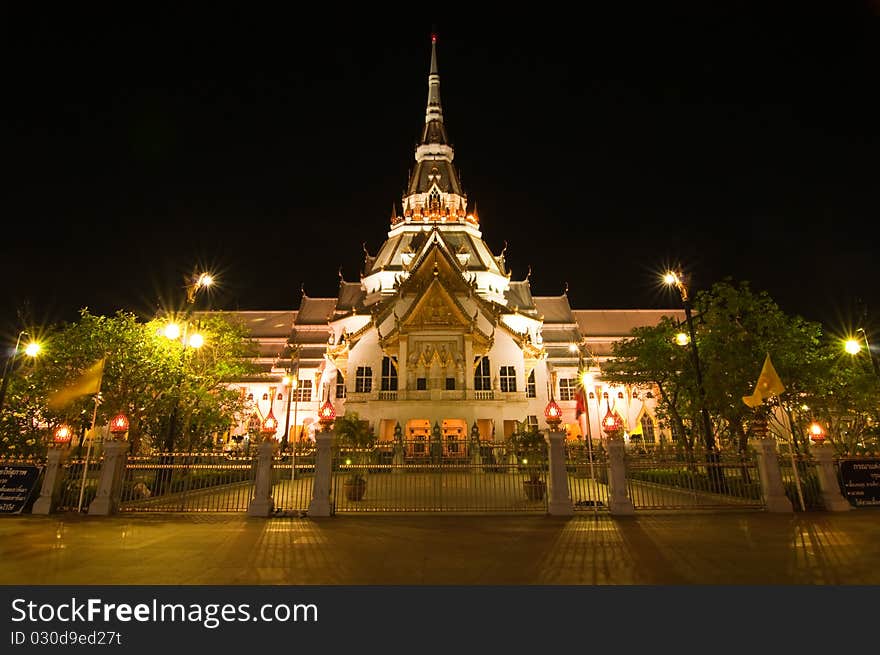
{"x": 860, "y": 479}
{"x": 17, "y": 486}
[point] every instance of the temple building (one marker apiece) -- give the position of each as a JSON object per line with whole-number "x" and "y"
{"x": 437, "y": 333}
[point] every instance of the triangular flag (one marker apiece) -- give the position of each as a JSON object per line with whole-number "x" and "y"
{"x": 768, "y": 385}
{"x": 87, "y": 383}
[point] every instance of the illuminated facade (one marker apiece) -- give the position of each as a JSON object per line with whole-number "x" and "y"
{"x": 436, "y": 332}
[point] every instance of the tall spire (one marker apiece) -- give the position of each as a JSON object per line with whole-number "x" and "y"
{"x": 434, "y": 111}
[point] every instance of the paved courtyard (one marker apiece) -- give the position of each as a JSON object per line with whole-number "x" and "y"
{"x": 694, "y": 548}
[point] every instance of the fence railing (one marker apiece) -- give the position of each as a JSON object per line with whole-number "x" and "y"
{"x": 79, "y": 484}
{"x": 587, "y": 472}
{"x": 446, "y": 476}
{"x": 188, "y": 482}
{"x": 727, "y": 483}
{"x": 293, "y": 479}
{"x": 801, "y": 482}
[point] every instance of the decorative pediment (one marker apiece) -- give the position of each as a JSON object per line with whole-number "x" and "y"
{"x": 436, "y": 309}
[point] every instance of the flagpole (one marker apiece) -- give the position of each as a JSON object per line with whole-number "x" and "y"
{"x": 82, "y": 486}
{"x": 797, "y": 477}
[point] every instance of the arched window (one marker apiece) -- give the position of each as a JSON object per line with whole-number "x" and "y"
{"x": 647, "y": 429}
{"x": 340, "y": 385}
{"x": 482, "y": 375}
{"x": 389, "y": 374}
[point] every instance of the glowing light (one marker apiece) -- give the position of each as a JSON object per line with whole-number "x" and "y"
{"x": 326, "y": 415}
{"x": 119, "y": 424}
{"x": 62, "y": 434}
{"x": 205, "y": 280}
{"x": 670, "y": 278}
{"x": 196, "y": 341}
{"x": 32, "y": 349}
{"x": 682, "y": 339}
{"x": 172, "y": 330}
{"x": 611, "y": 422}
{"x": 586, "y": 379}
{"x": 817, "y": 434}
{"x": 852, "y": 346}
{"x": 553, "y": 414}
{"x": 572, "y": 348}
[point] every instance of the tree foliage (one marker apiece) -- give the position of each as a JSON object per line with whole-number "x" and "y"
{"x": 736, "y": 328}
{"x": 145, "y": 376}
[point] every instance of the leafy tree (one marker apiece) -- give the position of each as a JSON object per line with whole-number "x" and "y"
{"x": 737, "y": 328}
{"x": 354, "y": 434}
{"x": 145, "y": 376}
{"x": 651, "y": 357}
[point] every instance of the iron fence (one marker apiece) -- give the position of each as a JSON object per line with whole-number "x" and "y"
{"x": 429, "y": 476}
{"x": 293, "y": 477}
{"x": 587, "y": 472}
{"x": 800, "y": 481}
{"x": 188, "y": 482}
{"x": 79, "y": 484}
{"x": 730, "y": 482}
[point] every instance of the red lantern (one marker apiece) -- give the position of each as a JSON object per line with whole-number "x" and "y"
{"x": 270, "y": 424}
{"x": 119, "y": 424}
{"x": 817, "y": 434}
{"x": 553, "y": 414}
{"x": 612, "y": 423}
{"x": 326, "y": 415}
{"x": 62, "y": 434}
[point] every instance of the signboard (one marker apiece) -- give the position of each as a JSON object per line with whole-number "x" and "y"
{"x": 860, "y": 481}
{"x": 17, "y": 485}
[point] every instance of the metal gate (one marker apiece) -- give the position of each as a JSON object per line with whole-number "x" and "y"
{"x": 188, "y": 482}
{"x": 728, "y": 483}
{"x": 426, "y": 477}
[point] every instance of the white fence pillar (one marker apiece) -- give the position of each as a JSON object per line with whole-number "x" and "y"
{"x": 320, "y": 504}
{"x": 832, "y": 499}
{"x": 262, "y": 504}
{"x": 51, "y": 489}
{"x": 771, "y": 477}
{"x": 618, "y": 501}
{"x": 560, "y": 499}
{"x": 109, "y": 494}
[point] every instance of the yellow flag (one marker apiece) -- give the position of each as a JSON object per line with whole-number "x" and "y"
{"x": 87, "y": 383}
{"x": 768, "y": 385}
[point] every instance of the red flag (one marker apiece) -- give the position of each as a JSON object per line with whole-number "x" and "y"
{"x": 581, "y": 406}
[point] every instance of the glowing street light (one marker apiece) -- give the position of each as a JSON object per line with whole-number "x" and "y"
{"x": 852, "y": 346}
{"x": 682, "y": 339}
{"x": 32, "y": 350}
{"x": 675, "y": 279}
{"x": 196, "y": 341}
{"x": 172, "y": 331}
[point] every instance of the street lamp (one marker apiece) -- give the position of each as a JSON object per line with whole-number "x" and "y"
{"x": 677, "y": 280}
{"x": 118, "y": 425}
{"x": 31, "y": 350}
{"x": 870, "y": 354}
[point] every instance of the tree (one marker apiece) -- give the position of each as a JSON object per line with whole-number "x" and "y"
{"x": 737, "y": 328}
{"x": 651, "y": 357}
{"x": 355, "y": 435}
{"x": 140, "y": 369}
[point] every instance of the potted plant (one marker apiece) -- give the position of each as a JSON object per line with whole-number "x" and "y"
{"x": 355, "y": 435}
{"x": 530, "y": 449}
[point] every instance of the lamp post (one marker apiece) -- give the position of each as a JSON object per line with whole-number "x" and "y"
{"x": 32, "y": 350}
{"x": 172, "y": 331}
{"x": 676, "y": 280}
{"x": 870, "y": 354}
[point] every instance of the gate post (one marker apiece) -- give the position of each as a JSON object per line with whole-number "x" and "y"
{"x": 262, "y": 504}
{"x": 52, "y": 480}
{"x": 618, "y": 501}
{"x": 832, "y": 499}
{"x": 771, "y": 477}
{"x": 109, "y": 494}
{"x": 320, "y": 503}
{"x": 560, "y": 499}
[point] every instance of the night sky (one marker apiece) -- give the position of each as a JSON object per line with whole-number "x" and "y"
{"x": 269, "y": 146}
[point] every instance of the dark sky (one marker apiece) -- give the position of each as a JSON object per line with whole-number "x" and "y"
{"x": 735, "y": 140}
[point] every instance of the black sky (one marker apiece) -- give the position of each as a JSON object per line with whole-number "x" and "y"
{"x": 737, "y": 140}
